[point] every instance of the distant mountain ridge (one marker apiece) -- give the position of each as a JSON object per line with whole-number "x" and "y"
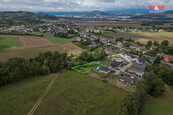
{"x": 125, "y": 12}
{"x": 8, "y": 18}
{"x": 101, "y": 13}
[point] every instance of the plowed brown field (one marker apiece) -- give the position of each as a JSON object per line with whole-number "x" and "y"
{"x": 33, "y": 41}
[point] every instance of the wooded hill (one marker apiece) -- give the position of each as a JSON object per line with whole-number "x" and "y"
{"x": 8, "y": 18}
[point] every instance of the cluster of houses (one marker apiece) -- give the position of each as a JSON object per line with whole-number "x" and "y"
{"x": 16, "y": 28}
{"x": 125, "y": 29}
{"x": 167, "y": 59}
{"x": 137, "y": 69}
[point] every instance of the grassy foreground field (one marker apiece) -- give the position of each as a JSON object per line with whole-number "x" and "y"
{"x": 160, "y": 106}
{"x": 74, "y": 93}
{"x": 9, "y": 42}
{"x": 144, "y": 37}
{"x": 20, "y": 97}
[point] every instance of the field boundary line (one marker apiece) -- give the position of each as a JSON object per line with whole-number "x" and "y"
{"x": 42, "y": 96}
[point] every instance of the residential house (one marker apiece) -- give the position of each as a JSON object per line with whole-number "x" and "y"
{"x": 168, "y": 58}
{"x": 134, "y": 58}
{"x": 126, "y": 80}
{"x": 118, "y": 59}
{"x": 131, "y": 57}
{"x": 115, "y": 64}
{"x": 153, "y": 47}
{"x": 107, "y": 51}
{"x": 136, "y": 72}
{"x": 78, "y": 39}
{"x": 140, "y": 60}
{"x": 141, "y": 67}
{"x": 133, "y": 45}
{"x": 152, "y": 59}
{"x": 104, "y": 69}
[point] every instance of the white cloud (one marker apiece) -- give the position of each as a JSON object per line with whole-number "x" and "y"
{"x": 80, "y": 5}
{"x": 6, "y": 0}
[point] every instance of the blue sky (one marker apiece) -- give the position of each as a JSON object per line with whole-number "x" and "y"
{"x": 80, "y": 5}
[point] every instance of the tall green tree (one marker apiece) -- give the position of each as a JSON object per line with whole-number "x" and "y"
{"x": 165, "y": 44}
{"x": 157, "y": 87}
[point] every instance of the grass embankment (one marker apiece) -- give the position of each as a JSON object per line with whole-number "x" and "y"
{"x": 20, "y": 97}
{"x": 74, "y": 93}
{"x": 9, "y": 42}
{"x": 160, "y": 106}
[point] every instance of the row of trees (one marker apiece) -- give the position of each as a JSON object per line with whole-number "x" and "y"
{"x": 16, "y": 69}
{"x": 19, "y": 33}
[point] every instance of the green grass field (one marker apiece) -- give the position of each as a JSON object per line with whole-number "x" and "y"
{"x": 77, "y": 94}
{"x": 72, "y": 93}
{"x": 57, "y": 40}
{"x": 20, "y": 97}
{"x": 8, "y": 42}
{"x": 143, "y": 37}
{"x": 160, "y": 106}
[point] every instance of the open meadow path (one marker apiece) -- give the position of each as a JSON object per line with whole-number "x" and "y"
{"x": 43, "y": 95}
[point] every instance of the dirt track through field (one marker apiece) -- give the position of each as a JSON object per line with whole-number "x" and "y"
{"x": 42, "y": 96}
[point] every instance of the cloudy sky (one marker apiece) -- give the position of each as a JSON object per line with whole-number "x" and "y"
{"x": 80, "y": 5}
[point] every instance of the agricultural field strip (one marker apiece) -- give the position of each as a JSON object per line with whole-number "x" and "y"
{"x": 42, "y": 96}
{"x": 87, "y": 67}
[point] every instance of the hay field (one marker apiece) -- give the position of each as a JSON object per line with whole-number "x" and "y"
{"x": 143, "y": 37}
{"x": 33, "y": 52}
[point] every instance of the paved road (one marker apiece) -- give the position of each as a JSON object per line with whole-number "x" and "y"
{"x": 42, "y": 96}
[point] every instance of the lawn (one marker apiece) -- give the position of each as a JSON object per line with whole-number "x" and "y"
{"x": 57, "y": 40}
{"x": 8, "y": 42}
{"x": 20, "y": 97}
{"x": 143, "y": 37}
{"x": 86, "y": 67}
{"x": 74, "y": 93}
{"x": 160, "y": 106}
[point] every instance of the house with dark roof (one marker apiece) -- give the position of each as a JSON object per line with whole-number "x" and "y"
{"x": 104, "y": 69}
{"x": 126, "y": 80}
{"x": 141, "y": 67}
{"x": 131, "y": 57}
{"x": 140, "y": 60}
{"x": 115, "y": 64}
{"x": 136, "y": 72}
{"x": 135, "y": 58}
{"x": 152, "y": 59}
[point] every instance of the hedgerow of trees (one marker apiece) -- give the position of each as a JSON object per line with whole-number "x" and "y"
{"x": 16, "y": 69}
